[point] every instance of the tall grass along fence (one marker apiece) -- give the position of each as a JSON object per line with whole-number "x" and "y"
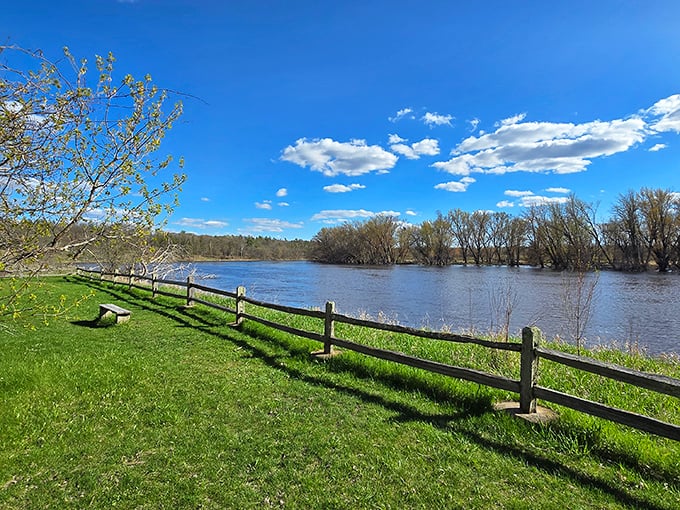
{"x": 529, "y": 350}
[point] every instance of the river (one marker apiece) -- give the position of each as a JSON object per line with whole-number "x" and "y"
{"x": 630, "y": 310}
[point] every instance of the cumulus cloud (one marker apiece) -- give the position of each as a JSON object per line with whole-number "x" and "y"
{"x": 517, "y": 193}
{"x": 473, "y": 124}
{"x": 282, "y": 192}
{"x": 530, "y": 200}
{"x": 669, "y": 111}
{"x": 269, "y": 225}
{"x": 283, "y": 204}
{"x": 456, "y": 186}
{"x": 341, "y": 188}
{"x": 334, "y": 158}
{"x": 657, "y": 147}
{"x": 435, "y": 119}
{"x": 340, "y": 215}
{"x": 401, "y": 114}
{"x": 265, "y": 204}
{"x": 200, "y": 223}
{"x": 543, "y": 147}
{"x": 511, "y": 120}
{"x": 410, "y": 213}
{"x": 425, "y": 147}
{"x": 554, "y": 147}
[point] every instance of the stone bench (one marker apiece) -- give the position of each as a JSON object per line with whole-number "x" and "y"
{"x": 107, "y": 309}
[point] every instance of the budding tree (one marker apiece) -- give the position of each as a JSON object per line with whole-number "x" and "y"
{"x": 79, "y": 160}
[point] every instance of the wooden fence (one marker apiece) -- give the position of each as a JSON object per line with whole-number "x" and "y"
{"x": 529, "y": 351}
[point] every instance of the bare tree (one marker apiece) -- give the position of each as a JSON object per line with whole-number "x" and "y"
{"x": 579, "y": 292}
{"x": 432, "y": 241}
{"x": 462, "y": 231}
{"x": 660, "y": 224}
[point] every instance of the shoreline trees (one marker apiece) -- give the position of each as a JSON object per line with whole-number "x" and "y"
{"x": 643, "y": 232}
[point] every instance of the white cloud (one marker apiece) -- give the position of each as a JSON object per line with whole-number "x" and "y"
{"x": 425, "y": 147}
{"x": 339, "y": 158}
{"x": 205, "y": 199}
{"x": 473, "y": 124}
{"x": 200, "y": 223}
{"x": 341, "y": 188}
{"x": 394, "y": 138}
{"x": 435, "y": 119}
{"x": 657, "y": 147}
{"x": 529, "y": 198}
{"x": 456, "y": 186}
{"x": 266, "y": 204}
{"x": 269, "y": 225}
{"x": 283, "y": 204}
{"x": 410, "y": 213}
{"x": 401, "y": 114}
{"x": 516, "y": 193}
{"x": 282, "y": 192}
{"x": 340, "y": 215}
{"x": 543, "y": 147}
{"x": 549, "y": 147}
{"x": 511, "y": 120}
{"x": 669, "y": 111}
{"x": 541, "y": 200}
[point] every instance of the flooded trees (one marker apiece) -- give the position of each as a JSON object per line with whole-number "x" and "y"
{"x": 432, "y": 241}
{"x": 659, "y": 214}
{"x": 643, "y": 232}
{"x": 369, "y": 242}
{"x": 645, "y": 228}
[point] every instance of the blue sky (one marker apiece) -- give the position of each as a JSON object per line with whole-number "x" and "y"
{"x": 312, "y": 112}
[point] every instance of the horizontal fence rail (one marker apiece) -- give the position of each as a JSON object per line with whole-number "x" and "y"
{"x": 529, "y": 350}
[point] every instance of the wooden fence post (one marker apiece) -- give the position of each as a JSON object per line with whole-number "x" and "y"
{"x": 190, "y": 291}
{"x": 240, "y": 305}
{"x": 329, "y": 328}
{"x": 528, "y": 371}
{"x": 154, "y": 285}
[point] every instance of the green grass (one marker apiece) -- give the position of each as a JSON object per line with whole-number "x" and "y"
{"x": 174, "y": 409}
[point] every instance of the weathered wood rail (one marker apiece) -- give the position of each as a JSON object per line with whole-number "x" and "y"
{"x": 529, "y": 351}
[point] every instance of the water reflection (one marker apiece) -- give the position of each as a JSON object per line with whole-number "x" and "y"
{"x": 635, "y": 308}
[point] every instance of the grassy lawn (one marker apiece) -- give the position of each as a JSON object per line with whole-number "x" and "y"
{"x": 174, "y": 409}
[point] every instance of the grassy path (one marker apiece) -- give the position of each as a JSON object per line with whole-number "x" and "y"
{"x": 175, "y": 410}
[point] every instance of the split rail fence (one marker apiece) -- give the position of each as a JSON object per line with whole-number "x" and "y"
{"x": 528, "y": 349}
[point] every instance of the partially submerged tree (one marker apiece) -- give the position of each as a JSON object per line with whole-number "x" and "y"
{"x": 79, "y": 159}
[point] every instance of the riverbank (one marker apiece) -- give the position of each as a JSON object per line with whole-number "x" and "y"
{"x": 174, "y": 408}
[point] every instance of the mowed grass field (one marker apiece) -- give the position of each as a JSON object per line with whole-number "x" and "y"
{"x": 175, "y": 409}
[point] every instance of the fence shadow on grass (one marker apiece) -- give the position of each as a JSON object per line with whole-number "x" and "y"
{"x": 464, "y": 421}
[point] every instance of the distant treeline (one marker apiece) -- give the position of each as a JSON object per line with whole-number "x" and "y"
{"x": 642, "y": 231}
{"x": 230, "y": 247}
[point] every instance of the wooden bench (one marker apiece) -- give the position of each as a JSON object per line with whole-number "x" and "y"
{"x": 107, "y": 309}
